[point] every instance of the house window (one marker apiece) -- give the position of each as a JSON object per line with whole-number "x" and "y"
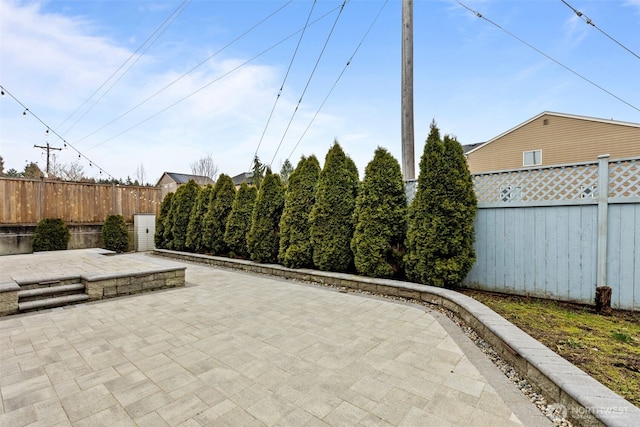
{"x": 532, "y": 158}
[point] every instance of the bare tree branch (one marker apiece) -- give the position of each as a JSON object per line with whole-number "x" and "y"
{"x": 205, "y": 166}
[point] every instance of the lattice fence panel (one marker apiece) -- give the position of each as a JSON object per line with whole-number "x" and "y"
{"x": 538, "y": 185}
{"x": 624, "y": 178}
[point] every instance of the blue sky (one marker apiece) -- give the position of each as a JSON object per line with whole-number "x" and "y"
{"x": 474, "y": 79}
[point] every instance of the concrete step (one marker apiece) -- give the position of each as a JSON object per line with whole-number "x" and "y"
{"x": 49, "y": 283}
{"x": 48, "y": 292}
{"x": 51, "y": 302}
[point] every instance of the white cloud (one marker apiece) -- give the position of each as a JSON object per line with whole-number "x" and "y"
{"x": 52, "y": 63}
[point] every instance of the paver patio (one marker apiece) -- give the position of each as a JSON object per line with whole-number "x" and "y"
{"x": 238, "y": 349}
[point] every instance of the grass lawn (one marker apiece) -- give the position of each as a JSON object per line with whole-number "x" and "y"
{"x": 606, "y": 347}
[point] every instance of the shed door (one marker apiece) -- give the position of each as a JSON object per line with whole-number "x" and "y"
{"x": 145, "y": 229}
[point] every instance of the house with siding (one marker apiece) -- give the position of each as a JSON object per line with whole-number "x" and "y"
{"x": 555, "y": 139}
{"x": 170, "y": 181}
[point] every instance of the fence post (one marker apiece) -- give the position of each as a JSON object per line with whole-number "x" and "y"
{"x": 603, "y": 208}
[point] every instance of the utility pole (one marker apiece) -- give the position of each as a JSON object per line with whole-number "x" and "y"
{"x": 408, "y": 158}
{"x": 48, "y": 149}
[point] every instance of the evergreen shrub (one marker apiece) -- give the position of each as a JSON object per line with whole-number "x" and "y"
{"x": 295, "y": 244}
{"x": 239, "y": 221}
{"x": 263, "y": 239}
{"x": 115, "y": 235}
{"x": 380, "y": 218}
{"x": 181, "y": 207}
{"x": 194, "y": 241}
{"x": 440, "y": 238}
{"x": 219, "y": 209}
{"x": 161, "y": 220}
{"x": 51, "y": 234}
{"x": 331, "y": 217}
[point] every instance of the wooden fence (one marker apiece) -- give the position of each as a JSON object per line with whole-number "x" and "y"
{"x": 27, "y": 201}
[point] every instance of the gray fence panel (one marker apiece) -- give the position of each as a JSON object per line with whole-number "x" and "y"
{"x": 623, "y": 264}
{"x": 546, "y": 251}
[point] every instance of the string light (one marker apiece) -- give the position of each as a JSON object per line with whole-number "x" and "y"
{"x": 2, "y": 93}
{"x": 50, "y": 130}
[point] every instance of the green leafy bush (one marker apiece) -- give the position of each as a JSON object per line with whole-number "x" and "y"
{"x": 161, "y": 220}
{"x": 194, "y": 241}
{"x": 263, "y": 239}
{"x": 239, "y": 221}
{"x": 295, "y": 245}
{"x": 215, "y": 223}
{"x": 115, "y": 235}
{"x": 380, "y": 218}
{"x": 51, "y": 234}
{"x": 440, "y": 237}
{"x": 331, "y": 217}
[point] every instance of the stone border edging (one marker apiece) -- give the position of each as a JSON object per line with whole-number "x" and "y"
{"x": 588, "y": 402}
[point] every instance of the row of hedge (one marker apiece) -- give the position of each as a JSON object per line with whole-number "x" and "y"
{"x": 327, "y": 219}
{"x": 52, "y": 234}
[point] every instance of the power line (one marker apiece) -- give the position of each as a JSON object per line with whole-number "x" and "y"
{"x": 170, "y": 19}
{"x": 309, "y": 79}
{"x": 375, "y": 19}
{"x": 479, "y": 15}
{"x": 26, "y": 111}
{"x": 295, "y": 52}
{"x": 182, "y": 76}
{"x": 589, "y": 21}
{"x": 215, "y": 80}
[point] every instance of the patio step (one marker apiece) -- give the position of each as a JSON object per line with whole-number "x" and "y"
{"x": 50, "y": 295}
{"x": 43, "y": 293}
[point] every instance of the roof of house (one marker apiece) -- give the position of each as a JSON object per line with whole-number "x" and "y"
{"x": 469, "y": 147}
{"x": 549, "y": 113}
{"x": 182, "y": 178}
{"x": 243, "y": 177}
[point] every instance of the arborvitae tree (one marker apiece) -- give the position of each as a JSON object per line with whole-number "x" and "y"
{"x": 196, "y": 221}
{"x": 331, "y": 217}
{"x": 239, "y": 221}
{"x": 207, "y": 222}
{"x": 295, "y": 246}
{"x": 440, "y": 237}
{"x": 183, "y": 203}
{"x": 263, "y": 239}
{"x": 220, "y": 207}
{"x": 380, "y": 218}
{"x": 165, "y": 208}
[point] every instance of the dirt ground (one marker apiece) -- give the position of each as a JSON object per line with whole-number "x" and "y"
{"x": 606, "y": 347}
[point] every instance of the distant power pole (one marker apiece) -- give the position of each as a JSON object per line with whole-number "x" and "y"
{"x": 48, "y": 149}
{"x": 408, "y": 159}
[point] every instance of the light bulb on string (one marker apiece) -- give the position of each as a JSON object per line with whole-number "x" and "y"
{"x": 3, "y": 93}
{"x": 24, "y": 113}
